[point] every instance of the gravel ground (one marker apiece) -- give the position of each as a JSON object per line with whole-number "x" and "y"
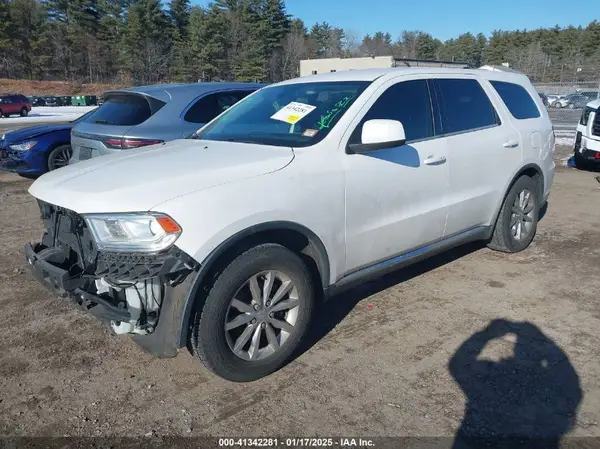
{"x": 396, "y": 357}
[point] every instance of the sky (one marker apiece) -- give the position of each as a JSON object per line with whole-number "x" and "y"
{"x": 443, "y": 19}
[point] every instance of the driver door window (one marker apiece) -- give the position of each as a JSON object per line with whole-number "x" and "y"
{"x": 407, "y": 102}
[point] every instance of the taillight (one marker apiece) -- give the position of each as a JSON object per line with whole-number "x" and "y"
{"x": 125, "y": 144}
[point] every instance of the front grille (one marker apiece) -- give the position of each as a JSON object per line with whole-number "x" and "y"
{"x": 68, "y": 230}
{"x": 596, "y": 124}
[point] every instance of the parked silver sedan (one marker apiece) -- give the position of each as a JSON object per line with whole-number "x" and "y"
{"x": 148, "y": 115}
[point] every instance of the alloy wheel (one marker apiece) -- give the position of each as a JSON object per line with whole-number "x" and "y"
{"x": 262, "y": 315}
{"x": 521, "y": 219}
{"x": 60, "y": 158}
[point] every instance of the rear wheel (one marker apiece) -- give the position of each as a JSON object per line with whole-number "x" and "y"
{"x": 24, "y": 112}
{"x": 59, "y": 157}
{"x": 255, "y": 315}
{"x": 517, "y": 221}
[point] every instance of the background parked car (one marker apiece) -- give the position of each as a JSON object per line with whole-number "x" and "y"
{"x": 553, "y": 97}
{"x": 53, "y": 101}
{"x": 35, "y": 150}
{"x": 66, "y": 100}
{"x": 148, "y": 115}
{"x": 38, "y": 101}
{"x": 576, "y": 100}
{"x": 14, "y": 104}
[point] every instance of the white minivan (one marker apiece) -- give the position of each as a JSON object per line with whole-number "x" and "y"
{"x": 226, "y": 242}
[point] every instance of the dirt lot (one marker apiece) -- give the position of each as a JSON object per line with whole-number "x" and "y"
{"x": 35, "y": 87}
{"x": 384, "y": 360}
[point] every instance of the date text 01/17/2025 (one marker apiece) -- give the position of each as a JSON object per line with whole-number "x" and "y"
{"x": 295, "y": 442}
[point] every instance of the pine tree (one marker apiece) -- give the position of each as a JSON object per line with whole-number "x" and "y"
{"x": 5, "y": 40}
{"x": 277, "y": 25}
{"x": 180, "y": 16}
{"x": 28, "y": 45}
{"x": 146, "y": 43}
{"x": 208, "y": 32}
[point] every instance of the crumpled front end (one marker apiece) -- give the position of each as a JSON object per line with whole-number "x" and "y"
{"x": 126, "y": 291}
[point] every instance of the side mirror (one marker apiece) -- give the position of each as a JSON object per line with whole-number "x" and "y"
{"x": 379, "y": 135}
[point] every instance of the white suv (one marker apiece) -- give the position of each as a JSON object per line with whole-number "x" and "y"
{"x": 228, "y": 240}
{"x": 587, "y": 139}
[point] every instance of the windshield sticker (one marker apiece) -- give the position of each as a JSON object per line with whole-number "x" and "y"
{"x": 325, "y": 120}
{"x": 310, "y": 132}
{"x": 293, "y": 112}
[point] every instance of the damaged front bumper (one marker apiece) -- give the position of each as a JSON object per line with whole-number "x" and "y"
{"x": 133, "y": 293}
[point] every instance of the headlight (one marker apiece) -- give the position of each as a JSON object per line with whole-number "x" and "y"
{"x": 144, "y": 232}
{"x": 25, "y": 146}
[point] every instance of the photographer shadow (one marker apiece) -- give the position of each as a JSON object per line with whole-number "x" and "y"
{"x": 528, "y": 400}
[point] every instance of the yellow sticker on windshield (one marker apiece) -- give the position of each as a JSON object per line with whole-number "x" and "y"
{"x": 293, "y": 112}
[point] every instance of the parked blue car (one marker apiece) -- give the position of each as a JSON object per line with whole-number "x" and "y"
{"x": 36, "y": 150}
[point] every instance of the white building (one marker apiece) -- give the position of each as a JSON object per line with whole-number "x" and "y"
{"x": 326, "y": 65}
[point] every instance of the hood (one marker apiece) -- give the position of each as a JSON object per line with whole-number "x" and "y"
{"x": 18, "y": 135}
{"x": 137, "y": 180}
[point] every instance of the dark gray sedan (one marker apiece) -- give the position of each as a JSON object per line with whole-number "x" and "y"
{"x": 148, "y": 115}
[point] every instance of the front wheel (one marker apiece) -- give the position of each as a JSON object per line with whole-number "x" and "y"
{"x": 24, "y": 112}
{"x": 255, "y": 315}
{"x": 517, "y": 221}
{"x": 59, "y": 157}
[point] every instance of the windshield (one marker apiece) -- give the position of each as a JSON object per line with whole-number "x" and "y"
{"x": 297, "y": 115}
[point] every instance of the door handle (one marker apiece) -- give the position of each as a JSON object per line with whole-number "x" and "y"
{"x": 510, "y": 144}
{"x": 435, "y": 160}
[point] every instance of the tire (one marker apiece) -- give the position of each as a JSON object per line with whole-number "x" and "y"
{"x": 1, "y": 113}
{"x": 212, "y": 343}
{"x": 580, "y": 162}
{"x": 59, "y": 157}
{"x": 503, "y": 238}
{"x": 557, "y": 104}
{"x": 24, "y": 112}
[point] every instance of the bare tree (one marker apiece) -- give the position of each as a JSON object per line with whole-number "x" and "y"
{"x": 351, "y": 43}
{"x": 295, "y": 48}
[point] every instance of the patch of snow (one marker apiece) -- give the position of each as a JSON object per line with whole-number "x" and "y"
{"x": 565, "y": 141}
{"x": 47, "y": 114}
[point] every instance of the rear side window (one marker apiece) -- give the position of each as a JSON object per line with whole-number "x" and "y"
{"x": 517, "y": 100}
{"x": 407, "y": 102}
{"x": 124, "y": 110}
{"x": 207, "y": 108}
{"x": 464, "y": 106}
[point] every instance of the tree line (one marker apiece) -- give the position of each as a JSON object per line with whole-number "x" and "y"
{"x": 144, "y": 41}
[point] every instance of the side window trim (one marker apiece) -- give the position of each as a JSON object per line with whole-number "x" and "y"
{"x": 471, "y": 130}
